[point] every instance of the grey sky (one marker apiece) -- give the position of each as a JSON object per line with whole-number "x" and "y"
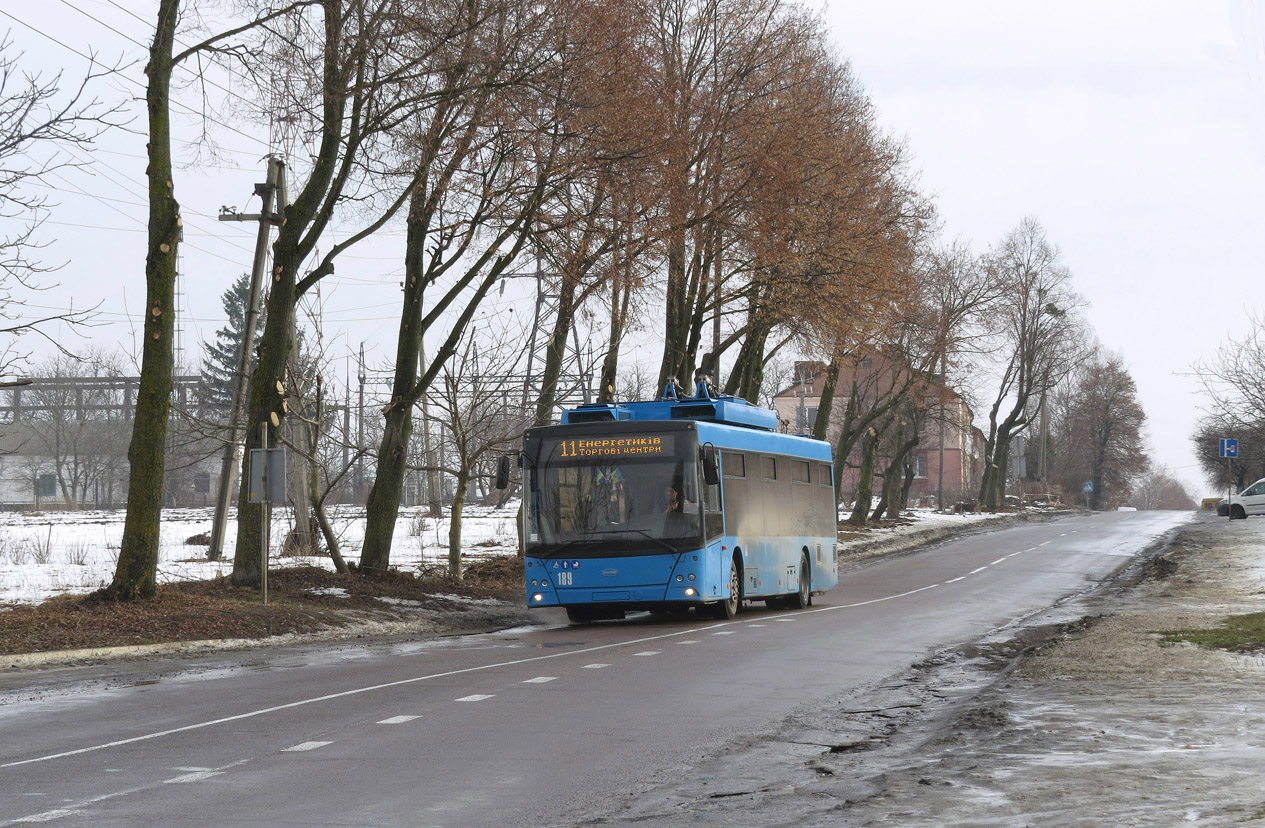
{"x": 1134, "y": 131}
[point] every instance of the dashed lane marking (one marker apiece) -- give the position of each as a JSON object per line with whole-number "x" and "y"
{"x": 304, "y": 746}
{"x": 399, "y": 719}
{"x": 476, "y": 697}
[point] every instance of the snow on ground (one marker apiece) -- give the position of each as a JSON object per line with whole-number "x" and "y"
{"x": 43, "y": 554}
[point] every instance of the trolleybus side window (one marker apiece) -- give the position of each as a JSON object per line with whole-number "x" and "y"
{"x": 824, "y": 475}
{"x": 713, "y": 517}
{"x": 799, "y": 471}
{"x": 768, "y": 468}
{"x": 735, "y": 464}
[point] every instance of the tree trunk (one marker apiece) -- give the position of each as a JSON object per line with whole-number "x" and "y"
{"x": 865, "y": 480}
{"x": 302, "y": 217}
{"x": 890, "y": 502}
{"x": 382, "y": 508}
{"x": 135, "y": 575}
{"x": 555, "y": 354}
{"x": 821, "y": 425}
{"x": 454, "y": 521}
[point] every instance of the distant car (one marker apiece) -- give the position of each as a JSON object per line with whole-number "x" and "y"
{"x": 1250, "y": 501}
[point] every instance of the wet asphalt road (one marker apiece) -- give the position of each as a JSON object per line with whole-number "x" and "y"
{"x": 534, "y": 726}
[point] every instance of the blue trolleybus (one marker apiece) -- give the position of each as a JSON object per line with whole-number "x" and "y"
{"x": 675, "y": 504}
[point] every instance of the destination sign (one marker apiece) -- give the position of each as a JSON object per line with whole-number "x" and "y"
{"x": 608, "y": 448}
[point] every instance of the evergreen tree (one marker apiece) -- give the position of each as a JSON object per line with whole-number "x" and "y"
{"x": 219, "y": 366}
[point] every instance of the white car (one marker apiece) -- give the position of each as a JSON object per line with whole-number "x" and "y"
{"x": 1250, "y": 501}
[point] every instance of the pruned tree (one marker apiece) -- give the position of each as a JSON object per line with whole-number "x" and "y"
{"x": 135, "y": 574}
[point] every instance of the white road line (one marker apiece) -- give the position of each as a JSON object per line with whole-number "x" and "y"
{"x": 955, "y": 580}
{"x": 648, "y": 653}
{"x": 757, "y": 625}
{"x": 540, "y": 679}
{"x": 594, "y": 666}
{"x": 688, "y": 641}
{"x": 302, "y": 746}
{"x": 47, "y": 816}
{"x": 978, "y": 571}
{"x": 477, "y": 697}
{"x": 399, "y": 719}
{"x": 998, "y": 561}
{"x": 81, "y": 807}
{"x": 194, "y": 777}
{"x": 724, "y": 632}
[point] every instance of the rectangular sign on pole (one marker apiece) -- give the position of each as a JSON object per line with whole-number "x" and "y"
{"x": 267, "y": 476}
{"x": 1229, "y": 447}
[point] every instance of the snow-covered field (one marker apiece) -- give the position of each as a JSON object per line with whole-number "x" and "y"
{"x": 54, "y": 553}
{"x": 43, "y": 554}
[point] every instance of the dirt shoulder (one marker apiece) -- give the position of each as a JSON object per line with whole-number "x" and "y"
{"x": 1088, "y": 720}
{"x": 306, "y": 603}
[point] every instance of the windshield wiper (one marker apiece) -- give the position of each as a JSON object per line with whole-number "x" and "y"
{"x": 561, "y": 548}
{"x": 659, "y": 541}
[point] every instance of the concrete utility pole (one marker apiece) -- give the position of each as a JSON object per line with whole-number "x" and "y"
{"x": 267, "y": 217}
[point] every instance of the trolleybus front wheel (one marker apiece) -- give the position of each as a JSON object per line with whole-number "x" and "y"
{"x": 728, "y": 608}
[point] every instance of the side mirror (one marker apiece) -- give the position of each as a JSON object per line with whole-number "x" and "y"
{"x": 503, "y": 472}
{"x": 711, "y": 476}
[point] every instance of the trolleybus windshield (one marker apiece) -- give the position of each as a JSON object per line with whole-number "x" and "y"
{"x": 619, "y": 494}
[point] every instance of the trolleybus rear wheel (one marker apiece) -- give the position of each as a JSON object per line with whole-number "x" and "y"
{"x": 729, "y": 607}
{"x": 804, "y": 597}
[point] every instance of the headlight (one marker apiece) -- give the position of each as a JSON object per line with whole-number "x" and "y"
{"x": 689, "y": 592}
{"x": 538, "y": 597}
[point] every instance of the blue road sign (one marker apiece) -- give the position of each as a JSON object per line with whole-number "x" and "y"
{"x": 1229, "y": 447}
{"x": 1087, "y": 486}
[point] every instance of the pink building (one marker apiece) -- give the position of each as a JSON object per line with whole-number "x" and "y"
{"x": 944, "y": 419}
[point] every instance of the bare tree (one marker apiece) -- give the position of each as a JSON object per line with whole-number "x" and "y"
{"x": 1099, "y": 438}
{"x": 1157, "y": 489}
{"x": 1039, "y": 340}
{"x": 1233, "y": 381}
{"x": 37, "y": 125}
{"x": 473, "y": 398}
{"x": 487, "y": 154}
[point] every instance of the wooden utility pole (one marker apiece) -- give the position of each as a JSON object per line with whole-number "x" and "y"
{"x": 267, "y": 217}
